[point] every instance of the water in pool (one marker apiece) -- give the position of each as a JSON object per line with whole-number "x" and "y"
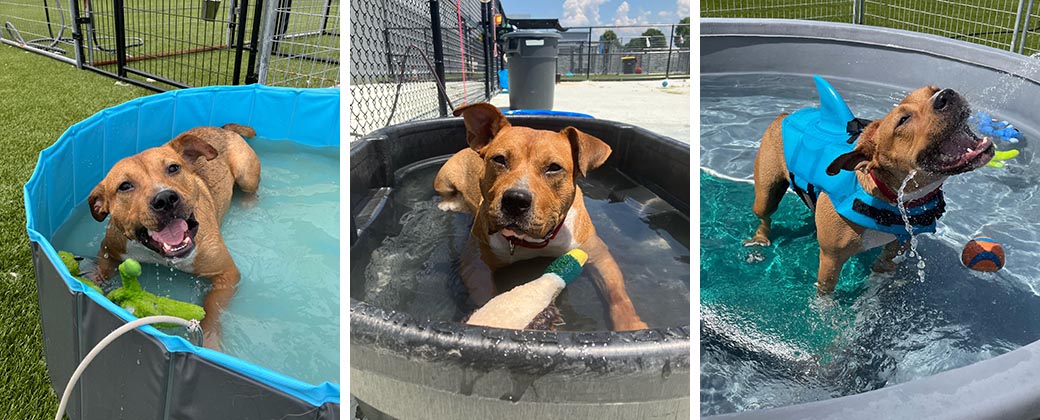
{"x": 285, "y": 314}
{"x": 415, "y": 268}
{"x": 768, "y": 341}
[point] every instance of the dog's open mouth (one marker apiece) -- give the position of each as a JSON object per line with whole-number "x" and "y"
{"x": 964, "y": 151}
{"x": 512, "y": 231}
{"x": 176, "y": 239}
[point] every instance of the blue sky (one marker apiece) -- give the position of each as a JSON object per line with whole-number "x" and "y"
{"x": 601, "y": 12}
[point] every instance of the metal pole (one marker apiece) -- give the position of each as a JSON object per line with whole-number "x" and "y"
{"x": 668, "y": 63}
{"x": 251, "y": 76}
{"x": 120, "y": 38}
{"x": 438, "y": 52}
{"x": 243, "y": 8}
{"x": 588, "y": 64}
{"x": 485, "y": 20}
{"x": 77, "y": 32}
{"x": 1025, "y": 27}
{"x": 267, "y": 42}
{"x": 1018, "y": 25}
{"x": 857, "y": 11}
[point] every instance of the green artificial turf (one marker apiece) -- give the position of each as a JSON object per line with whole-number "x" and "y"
{"x": 39, "y": 98}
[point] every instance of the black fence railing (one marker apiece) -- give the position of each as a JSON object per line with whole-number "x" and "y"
{"x": 166, "y": 44}
{"x": 400, "y": 49}
{"x": 657, "y": 51}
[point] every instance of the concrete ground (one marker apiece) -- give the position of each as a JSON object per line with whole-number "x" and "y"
{"x": 643, "y": 103}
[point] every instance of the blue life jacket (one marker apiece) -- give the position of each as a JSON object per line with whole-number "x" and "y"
{"x": 813, "y": 138}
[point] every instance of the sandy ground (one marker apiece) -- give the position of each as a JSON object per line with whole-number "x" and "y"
{"x": 645, "y": 103}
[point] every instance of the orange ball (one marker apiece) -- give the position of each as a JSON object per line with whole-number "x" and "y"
{"x": 983, "y": 254}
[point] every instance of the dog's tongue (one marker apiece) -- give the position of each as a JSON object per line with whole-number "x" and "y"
{"x": 172, "y": 234}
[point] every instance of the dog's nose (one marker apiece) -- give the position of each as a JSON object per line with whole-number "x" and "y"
{"x": 516, "y": 202}
{"x": 165, "y": 200}
{"x": 943, "y": 98}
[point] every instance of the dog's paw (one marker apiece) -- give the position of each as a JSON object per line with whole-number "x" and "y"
{"x": 630, "y": 325}
{"x": 452, "y": 205}
{"x": 757, "y": 241}
{"x": 885, "y": 266}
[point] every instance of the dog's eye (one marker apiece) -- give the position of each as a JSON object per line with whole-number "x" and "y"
{"x": 173, "y": 168}
{"x": 903, "y": 120}
{"x": 501, "y": 160}
{"x": 126, "y": 186}
{"x": 553, "y": 168}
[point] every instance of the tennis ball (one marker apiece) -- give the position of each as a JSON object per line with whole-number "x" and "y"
{"x": 664, "y": 83}
{"x": 983, "y": 254}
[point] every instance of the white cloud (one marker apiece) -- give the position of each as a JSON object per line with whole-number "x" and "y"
{"x": 621, "y": 17}
{"x": 581, "y": 12}
{"x": 664, "y": 13}
{"x": 682, "y": 8}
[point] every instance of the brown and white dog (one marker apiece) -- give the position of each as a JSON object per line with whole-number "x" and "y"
{"x": 926, "y": 133}
{"x": 166, "y": 204}
{"x": 519, "y": 183}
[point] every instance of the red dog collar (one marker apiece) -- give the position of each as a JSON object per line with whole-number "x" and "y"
{"x": 514, "y": 241}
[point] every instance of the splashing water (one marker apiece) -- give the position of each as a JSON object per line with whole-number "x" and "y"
{"x": 994, "y": 97}
{"x": 912, "y": 252}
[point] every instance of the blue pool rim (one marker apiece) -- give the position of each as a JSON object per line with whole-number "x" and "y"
{"x": 177, "y": 111}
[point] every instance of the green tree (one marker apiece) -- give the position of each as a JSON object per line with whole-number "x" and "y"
{"x": 682, "y": 34}
{"x": 656, "y": 37}
{"x": 609, "y": 41}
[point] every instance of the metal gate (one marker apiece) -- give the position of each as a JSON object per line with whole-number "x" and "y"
{"x": 167, "y": 44}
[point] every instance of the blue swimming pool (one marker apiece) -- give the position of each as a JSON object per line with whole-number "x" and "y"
{"x": 150, "y": 374}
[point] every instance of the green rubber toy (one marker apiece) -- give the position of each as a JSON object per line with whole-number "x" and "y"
{"x": 141, "y": 303}
{"x": 73, "y": 265}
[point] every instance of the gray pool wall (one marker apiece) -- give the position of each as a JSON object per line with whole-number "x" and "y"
{"x": 1004, "y": 387}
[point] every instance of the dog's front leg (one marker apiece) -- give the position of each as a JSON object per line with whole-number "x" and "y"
{"x": 475, "y": 273}
{"x": 838, "y": 242}
{"x": 884, "y": 263}
{"x": 611, "y": 283}
{"x": 224, "y": 286}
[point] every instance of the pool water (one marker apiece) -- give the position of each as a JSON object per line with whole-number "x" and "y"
{"x": 285, "y": 313}
{"x": 767, "y": 340}
{"x": 414, "y": 269}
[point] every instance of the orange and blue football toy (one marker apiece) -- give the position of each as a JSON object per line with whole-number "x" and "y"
{"x": 983, "y": 254}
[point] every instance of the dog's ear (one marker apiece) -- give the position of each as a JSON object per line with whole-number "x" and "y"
{"x": 98, "y": 204}
{"x": 861, "y": 156}
{"x": 483, "y": 122}
{"x": 191, "y": 147}
{"x": 589, "y": 152}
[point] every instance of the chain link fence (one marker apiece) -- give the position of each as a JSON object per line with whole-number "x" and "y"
{"x": 1012, "y": 25}
{"x": 625, "y": 52}
{"x": 400, "y": 48}
{"x": 167, "y": 44}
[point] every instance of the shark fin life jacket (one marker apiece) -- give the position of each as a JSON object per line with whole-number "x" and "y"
{"x": 815, "y": 137}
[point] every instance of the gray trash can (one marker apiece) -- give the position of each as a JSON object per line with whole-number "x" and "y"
{"x": 531, "y": 56}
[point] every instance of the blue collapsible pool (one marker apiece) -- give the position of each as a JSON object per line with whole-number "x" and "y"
{"x": 148, "y": 374}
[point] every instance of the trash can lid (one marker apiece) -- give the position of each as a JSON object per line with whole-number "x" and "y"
{"x": 532, "y": 33}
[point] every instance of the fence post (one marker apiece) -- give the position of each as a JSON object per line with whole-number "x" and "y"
{"x": 243, "y": 9}
{"x": 254, "y": 42}
{"x": 267, "y": 39}
{"x": 857, "y": 11}
{"x": 588, "y": 63}
{"x": 1025, "y": 27}
{"x": 1018, "y": 26}
{"x": 438, "y": 52}
{"x": 120, "y": 37}
{"x": 668, "y": 62}
{"x": 485, "y": 18}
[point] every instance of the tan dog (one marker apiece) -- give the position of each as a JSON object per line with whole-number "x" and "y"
{"x": 519, "y": 183}
{"x": 926, "y": 133}
{"x": 166, "y": 204}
